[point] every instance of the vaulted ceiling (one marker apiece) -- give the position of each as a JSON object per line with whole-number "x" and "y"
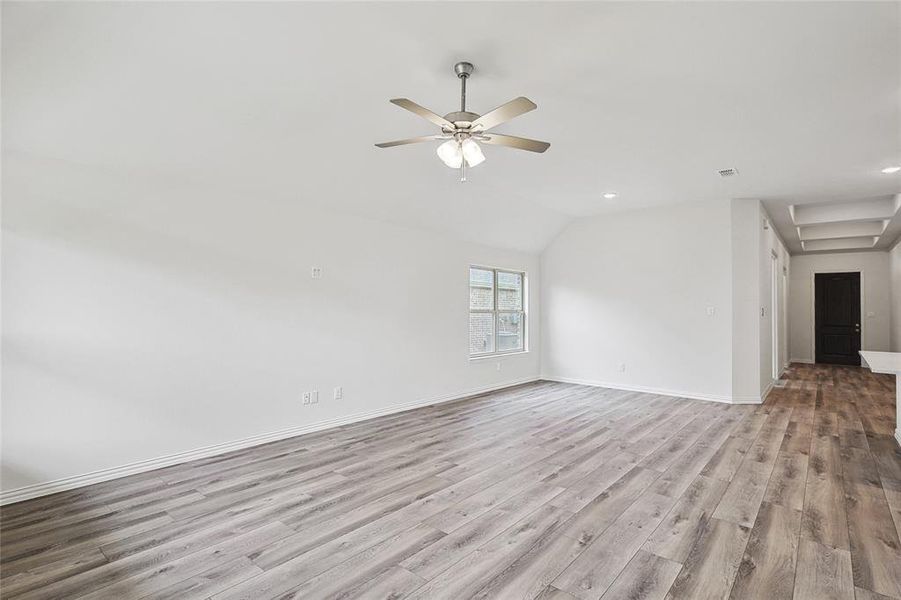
{"x": 645, "y": 99}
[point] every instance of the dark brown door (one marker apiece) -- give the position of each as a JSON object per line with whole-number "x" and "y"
{"x": 837, "y": 318}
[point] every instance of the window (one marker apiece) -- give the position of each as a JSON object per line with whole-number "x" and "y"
{"x": 497, "y": 318}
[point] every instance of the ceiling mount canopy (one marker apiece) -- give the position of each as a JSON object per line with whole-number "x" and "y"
{"x": 462, "y": 130}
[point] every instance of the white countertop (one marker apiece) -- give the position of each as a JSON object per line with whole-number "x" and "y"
{"x": 883, "y": 362}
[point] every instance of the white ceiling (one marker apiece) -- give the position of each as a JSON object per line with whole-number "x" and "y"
{"x": 868, "y": 224}
{"x": 647, "y": 99}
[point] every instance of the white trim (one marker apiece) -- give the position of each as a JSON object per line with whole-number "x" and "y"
{"x": 478, "y": 357}
{"x": 803, "y": 361}
{"x": 813, "y": 309}
{"x": 745, "y": 400}
{"x": 68, "y": 483}
{"x": 766, "y": 392}
{"x": 898, "y": 436}
{"x": 650, "y": 390}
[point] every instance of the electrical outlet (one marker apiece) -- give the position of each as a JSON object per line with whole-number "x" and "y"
{"x": 315, "y": 399}
{"x": 498, "y": 366}
{"x": 339, "y": 393}
{"x": 316, "y": 272}
{"x": 622, "y": 367}
{"x": 307, "y": 397}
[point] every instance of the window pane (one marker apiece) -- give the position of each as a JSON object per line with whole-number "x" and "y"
{"x": 481, "y": 289}
{"x": 509, "y": 332}
{"x": 509, "y": 291}
{"x": 481, "y": 333}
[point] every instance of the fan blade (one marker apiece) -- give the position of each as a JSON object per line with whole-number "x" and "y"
{"x": 416, "y": 140}
{"x": 422, "y": 112}
{"x": 514, "y": 142}
{"x": 504, "y": 113}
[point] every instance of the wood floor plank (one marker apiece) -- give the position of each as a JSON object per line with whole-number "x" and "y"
{"x": 646, "y": 577}
{"x": 875, "y": 549}
{"x": 593, "y": 572}
{"x": 825, "y": 517}
{"x": 552, "y": 593}
{"x": 687, "y": 521}
{"x": 528, "y": 575}
{"x": 864, "y": 594}
{"x": 212, "y": 581}
{"x": 788, "y": 481}
{"x": 767, "y": 569}
{"x": 150, "y": 578}
{"x": 478, "y": 504}
{"x": 468, "y": 576}
{"x": 390, "y": 585}
{"x": 603, "y": 510}
{"x": 711, "y": 566}
{"x": 823, "y": 573}
{"x": 742, "y": 498}
{"x": 52, "y": 572}
{"x": 349, "y": 578}
{"x": 728, "y": 458}
{"x": 437, "y": 557}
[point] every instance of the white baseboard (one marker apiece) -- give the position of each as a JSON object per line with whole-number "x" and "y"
{"x": 898, "y": 436}
{"x": 69, "y": 483}
{"x": 748, "y": 399}
{"x": 766, "y": 392}
{"x": 647, "y": 390}
{"x": 803, "y": 361}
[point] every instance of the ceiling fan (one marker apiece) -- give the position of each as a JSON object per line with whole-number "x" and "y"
{"x": 462, "y": 130}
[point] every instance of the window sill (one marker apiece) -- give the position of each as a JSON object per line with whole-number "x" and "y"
{"x": 497, "y": 355}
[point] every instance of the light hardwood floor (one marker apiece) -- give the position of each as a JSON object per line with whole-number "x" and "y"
{"x": 548, "y": 491}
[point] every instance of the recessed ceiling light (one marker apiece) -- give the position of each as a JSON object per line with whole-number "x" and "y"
{"x": 610, "y": 195}
{"x": 890, "y": 170}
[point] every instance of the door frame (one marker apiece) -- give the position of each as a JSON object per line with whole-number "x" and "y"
{"x": 775, "y": 316}
{"x": 813, "y": 309}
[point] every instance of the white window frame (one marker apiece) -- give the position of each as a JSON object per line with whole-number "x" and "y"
{"x": 494, "y": 311}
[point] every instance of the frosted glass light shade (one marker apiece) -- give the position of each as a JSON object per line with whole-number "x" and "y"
{"x": 472, "y": 153}
{"x": 451, "y": 154}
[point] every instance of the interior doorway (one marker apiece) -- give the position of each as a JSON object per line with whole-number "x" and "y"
{"x": 837, "y": 318}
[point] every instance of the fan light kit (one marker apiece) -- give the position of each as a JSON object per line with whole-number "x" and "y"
{"x": 463, "y": 130}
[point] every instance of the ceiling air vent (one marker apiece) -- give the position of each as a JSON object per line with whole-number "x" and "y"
{"x": 728, "y": 172}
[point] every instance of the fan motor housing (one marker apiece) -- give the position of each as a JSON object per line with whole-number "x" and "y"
{"x": 462, "y": 119}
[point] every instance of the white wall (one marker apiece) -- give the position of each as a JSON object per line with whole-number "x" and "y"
{"x": 634, "y": 289}
{"x": 895, "y": 277}
{"x": 746, "y": 249}
{"x": 754, "y": 243}
{"x": 876, "y": 291}
{"x": 142, "y": 320}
